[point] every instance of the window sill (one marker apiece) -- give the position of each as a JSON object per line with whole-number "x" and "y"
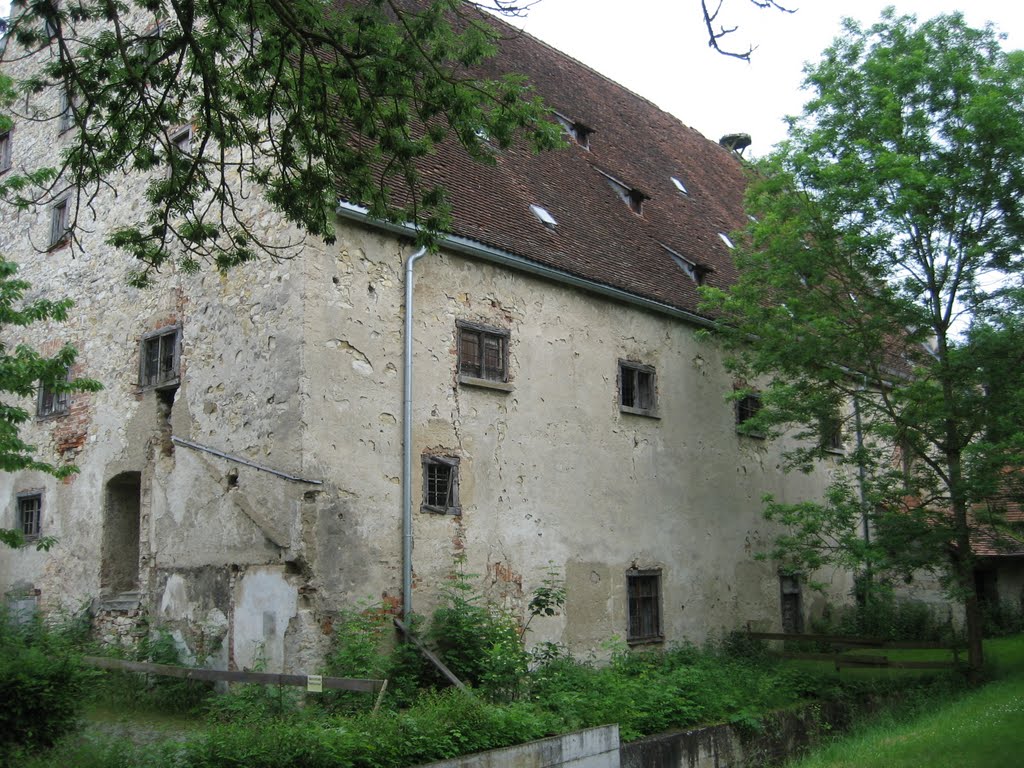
{"x": 656, "y": 640}
{"x": 59, "y": 245}
{"x": 752, "y": 435}
{"x": 440, "y": 510}
{"x": 639, "y": 412}
{"x": 473, "y": 381}
{"x": 50, "y": 416}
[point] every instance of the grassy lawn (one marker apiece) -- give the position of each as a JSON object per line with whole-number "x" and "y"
{"x": 981, "y": 729}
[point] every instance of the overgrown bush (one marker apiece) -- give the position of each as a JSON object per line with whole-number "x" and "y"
{"x": 1003, "y": 618}
{"x": 885, "y": 617}
{"x": 479, "y": 643}
{"x": 42, "y": 685}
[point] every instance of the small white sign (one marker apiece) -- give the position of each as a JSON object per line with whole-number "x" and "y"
{"x": 315, "y": 683}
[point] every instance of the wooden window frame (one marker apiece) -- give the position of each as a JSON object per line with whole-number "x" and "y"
{"x": 644, "y": 606}
{"x": 6, "y": 144}
{"x": 433, "y": 468}
{"x": 747, "y": 408}
{"x": 31, "y": 527}
{"x": 638, "y": 388}
{"x": 473, "y": 367}
{"x": 60, "y": 222}
{"x": 160, "y": 376}
{"x": 50, "y": 404}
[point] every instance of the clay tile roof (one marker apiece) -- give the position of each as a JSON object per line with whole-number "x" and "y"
{"x": 1005, "y": 537}
{"x": 598, "y": 236}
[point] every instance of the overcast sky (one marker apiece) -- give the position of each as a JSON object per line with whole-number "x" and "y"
{"x": 658, "y": 48}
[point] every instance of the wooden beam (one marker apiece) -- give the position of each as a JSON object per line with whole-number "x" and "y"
{"x": 431, "y": 657}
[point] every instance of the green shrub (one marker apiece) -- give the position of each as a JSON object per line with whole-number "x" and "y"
{"x": 1003, "y": 618}
{"x": 42, "y": 685}
{"x": 479, "y": 643}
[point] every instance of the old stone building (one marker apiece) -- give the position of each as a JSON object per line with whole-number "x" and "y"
{"x": 242, "y": 469}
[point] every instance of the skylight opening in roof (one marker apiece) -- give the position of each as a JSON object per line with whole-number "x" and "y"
{"x": 543, "y": 216}
{"x": 680, "y": 186}
{"x": 691, "y": 269}
{"x": 726, "y": 240}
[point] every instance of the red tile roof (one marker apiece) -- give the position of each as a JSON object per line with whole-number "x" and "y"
{"x": 598, "y": 236}
{"x": 1005, "y": 536}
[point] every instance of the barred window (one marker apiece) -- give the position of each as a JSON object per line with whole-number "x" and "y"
{"x": 441, "y": 484}
{"x": 50, "y": 402}
{"x": 747, "y": 407}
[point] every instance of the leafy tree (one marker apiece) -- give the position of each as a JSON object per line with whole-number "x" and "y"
{"x": 878, "y": 291}
{"x": 22, "y": 371}
{"x": 307, "y": 101}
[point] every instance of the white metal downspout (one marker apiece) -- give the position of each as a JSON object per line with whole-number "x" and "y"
{"x": 407, "y": 441}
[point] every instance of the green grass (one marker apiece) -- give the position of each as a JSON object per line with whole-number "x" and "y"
{"x": 983, "y": 728}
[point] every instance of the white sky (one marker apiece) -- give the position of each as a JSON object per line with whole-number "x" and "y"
{"x": 658, "y": 48}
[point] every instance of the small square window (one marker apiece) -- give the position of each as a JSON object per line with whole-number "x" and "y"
{"x": 637, "y": 392}
{"x": 747, "y": 407}
{"x": 60, "y": 222}
{"x": 483, "y": 352}
{"x": 30, "y": 515}
{"x": 644, "y": 606}
{"x": 441, "y": 484}
{"x": 5, "y": 151}
{"x": 51, "y": 403}
{"x": 158, "y": 366}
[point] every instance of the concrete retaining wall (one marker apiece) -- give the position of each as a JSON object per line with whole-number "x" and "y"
{"x": 592, "y": 748}
{"x": 778, "y": 737}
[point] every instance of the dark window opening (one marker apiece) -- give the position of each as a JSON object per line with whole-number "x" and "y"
{"x": 119, "y": 556}
{"x": 747, "y": 407}
{"x": 160, "y": 359}
{"x": 5, "y": 151}
{"x": 30, "y": 515}
{"x": 69, "y": 101}
{"x": 576, "y": 131}
{"x": 636, "y": 388}
{"x": 441, "y": 484}
{"x": 644, "y": 606}
{"x": 831, "y": 433}
{"x": 792, "y": 604}
{"x": 483, "y": 352}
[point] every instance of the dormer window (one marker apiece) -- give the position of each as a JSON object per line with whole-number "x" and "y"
{"x": 680, "y": 186}
{"x": 693, "y": 270}
{"x": 543, "y": 216}
{"x": 634, "y": 198}
{"x": 726, "y": 240}
{"x": 578, "y": 132}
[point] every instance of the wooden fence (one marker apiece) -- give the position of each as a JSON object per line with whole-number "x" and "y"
{"x": 843, "y": 643}
{"x": 312, "y": 683}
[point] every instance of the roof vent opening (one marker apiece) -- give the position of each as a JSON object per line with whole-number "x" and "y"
{"x": 693, "y": 270}
{"x": 737, "y": 142}
{"x": 632, "y": 197}
{"x": 578, "y": 132}
{"x": 725, "y": 239}
{"x": 543, "y": 216}
{"x": 680, "y": 186}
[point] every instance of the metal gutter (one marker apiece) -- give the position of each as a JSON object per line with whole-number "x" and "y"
{"x": 477, "y": 250}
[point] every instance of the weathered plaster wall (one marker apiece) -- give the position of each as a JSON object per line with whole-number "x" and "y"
{"x": 551, "y": 472}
